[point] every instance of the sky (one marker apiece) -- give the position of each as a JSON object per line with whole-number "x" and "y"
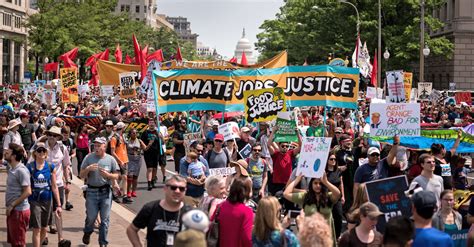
{"x": 219, "y": 23}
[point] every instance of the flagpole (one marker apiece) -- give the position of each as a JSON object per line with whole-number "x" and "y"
{"x": 155, "y": 99}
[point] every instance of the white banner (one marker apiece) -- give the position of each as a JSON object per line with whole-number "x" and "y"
{"x": 396, "y": 87}
{"x": 230, "y": 131}
{"x": 391, "y": 119}
{"x": 313, "y": 156}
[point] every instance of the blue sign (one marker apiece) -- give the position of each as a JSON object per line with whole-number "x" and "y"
{"x": 337, "y": 62}
{"x": 459, "y": 237}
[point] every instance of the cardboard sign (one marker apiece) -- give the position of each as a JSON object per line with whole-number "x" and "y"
{"x": 452, "y": 86}
{"x": 407, "y": 83}
{"x": 69, "y": 83}
{"x": 226, "y": 171}
{"x": 127, "y": 85}
{"x": 246, "y": 151}
{"x": 396, "y": 88}
{"x": 49, "y": 97}
{"x": 150, "y": 101}
{"x": 395, "y": 119}
{"x": 313, "y": 156}
{"x": 435, "y": 96}
{"x": 191, "y": 137}
{"x": 230, "y": 131}
{"x": 371, "y": 93}
{"x": 389, "y": 195}
{"x": 264, "y": 104}
{"x": 107, "y": 91}
{"x": 424, "y": 89}
{"x": 286, "y": 123}
{"x": 83, "y": 89}
{"x": 380, "y": 93}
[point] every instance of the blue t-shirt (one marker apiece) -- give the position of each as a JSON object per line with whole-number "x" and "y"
{"x": 366, "y": 172}
{"x": 431, "y": 237}
{"x": 40, "y": 182}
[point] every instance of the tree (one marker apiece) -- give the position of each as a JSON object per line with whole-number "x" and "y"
{"x": 313, "y": 29}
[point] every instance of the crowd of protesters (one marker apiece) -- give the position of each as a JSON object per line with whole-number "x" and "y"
{"x": 264, "y": 203}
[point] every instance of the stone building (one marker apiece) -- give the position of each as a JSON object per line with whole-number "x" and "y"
{"x": 458, "y": 16}
{"x": 244, "y": 45}
{"x": 182, "y": 27}
{"x": 143, "y": 10}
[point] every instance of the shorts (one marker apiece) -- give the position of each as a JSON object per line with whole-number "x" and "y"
{"x": 123, "y": 169}
{"x": 17, "y": 225}
{"x": 40, "y": 213}
{"x": 152, "y": 160}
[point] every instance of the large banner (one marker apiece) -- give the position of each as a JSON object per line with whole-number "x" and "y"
{"x": 323, "y": 85}
{"x": 396, "y": 87}
{"x": 77, "y": 121}
{"x": 313, "y": 156}
{"x": 389, "y": 195}
{"x": 264, "y": 104}
{"x": 463, "y": 97}
{"x": 391, "y": 119}
{"x": 69, "y": 83}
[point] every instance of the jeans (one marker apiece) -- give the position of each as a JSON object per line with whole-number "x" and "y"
{"x": 98, "y": 200}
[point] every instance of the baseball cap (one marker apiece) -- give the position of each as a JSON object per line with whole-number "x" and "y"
{"x": 40, "y": 145}
{"x": 344, "y": 138}
{"x": 245, "y": 129}
{"x": 109, "y": 122}
{"x": 373, "y": 150}
{"x": 370, "y": 209}
{"x": 338, "y": 130}
{"x": 219, "y": 137}
{"x": 424, "y": 200}
{"x": 101, "y": 140}
{"x": 120, "y": 125}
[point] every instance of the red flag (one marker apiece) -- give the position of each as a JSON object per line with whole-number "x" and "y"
{"x": 243, "y": 60}
{"x": 92, "y": 59}
{"x": 373, "y": 76}
{"x": 143, "y": 64}
{"x": 128, "y": 59}
{"x": 157, "y": 55}
{"x": 68, "y": 58}
{"x": 118, "y": 54}
{"x": 51, "y": 67}
{"x": 178, "y": 56}
{"x": 233, "y": 60}
{"x": 105, "y": 55}
{"x": 136, "y": 48}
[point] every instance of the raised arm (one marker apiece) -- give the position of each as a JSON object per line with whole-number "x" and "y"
{"x": 456, "y": 143}
{"x": 391, "y": 158}
{"x": 288, "y": 193}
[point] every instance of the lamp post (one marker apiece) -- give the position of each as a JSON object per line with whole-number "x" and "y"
{"x": 46, "y": 60}
{"x": 357, "y": 12}
{"x": 379, "y": 46}
{"x": 386, "y": 56}
{"x": 422, "y": 41}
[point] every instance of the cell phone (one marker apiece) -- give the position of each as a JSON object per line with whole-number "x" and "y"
{"x": 293, "y": 213}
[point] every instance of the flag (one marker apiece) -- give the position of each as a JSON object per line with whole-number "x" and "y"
{"x": 178, "y": 56}
{"x": 233, "y": 60}
{"x": 51, "y": 67}
{"x": 157, "y": 55}
{"x": 118, "y": 54}
{"x": 364, "y": 62}
{"x": 373, "y": 76}
{"x": 136, "y": 48}
{"x": 68, "y": 58}
{"x": 128, "y": 59}
{"x": 143, "y": 64}
{"x": 243, "y": 60}
{"x": 105, "y": 55}
{"x": 356, "y": 54}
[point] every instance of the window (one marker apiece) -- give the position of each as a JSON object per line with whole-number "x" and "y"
{"x": 127, "y": 8}
{"x": 17, "y": 22}
{"x": 137, "y": 9}
{"x": 7, "y": 19}
{"x": 144, "y": 9}
{"x": 122, "y": 8}
{"x": 137, "y": 19}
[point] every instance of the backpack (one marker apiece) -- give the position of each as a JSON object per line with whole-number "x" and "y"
{"x": 208, "y": 156}
{"x": 108, "y": 150}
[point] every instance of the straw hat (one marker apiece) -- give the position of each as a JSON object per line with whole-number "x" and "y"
{"x": 13, "y": 123}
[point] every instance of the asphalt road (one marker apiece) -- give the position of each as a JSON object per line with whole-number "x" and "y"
{"x": 143, "y": 195}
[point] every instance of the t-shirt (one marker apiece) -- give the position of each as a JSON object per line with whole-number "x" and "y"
{"x": 349, "y": 238}
{"x": 196, "y": 169}
{"x": 149, "y": 135}
{"x": 16, "y": 179}
{"x": 444, "y": 170}
{"x": 40, "y": 182}
{"x": 218, "y": 160}
{"x": 120, "y": 148}
{"x": 107, "y": 162}
{"x": 434, "y": 185}
{"x": 431, "y": 237}
{"x": 256, "y": 169}
{"x": 315, "y": 131}
{"x": 25, "y": 133}
{"x": 282, "y": 166}
{"x": 367, "y": 172}
{"x": 179, "y": 134}
{"x": 159, "y": 223}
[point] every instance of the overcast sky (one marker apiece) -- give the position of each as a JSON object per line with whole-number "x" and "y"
{"x": 219, "y": 23}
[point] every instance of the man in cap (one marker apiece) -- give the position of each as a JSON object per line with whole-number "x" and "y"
{"x": 214, "y": 130}
{"x": 12, "y": 136}
{"x": 245, "y": 138}
{"x": 218, "y": 157}
{"x": 118, "y": 149}
{"x": 376, "y": 168}
{"x": 423, "y": 208}
{"x": 109, "y": 130}
{"x": 316, "y": 129}
{"x": 26, "y": 130}
{"x": 101, "y": 170}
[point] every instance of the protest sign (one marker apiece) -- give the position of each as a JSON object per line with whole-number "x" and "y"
{"x": 69, "y": 92}
{"x": 463, "y": 97}
{"x": 452, "y": 86}
{"x": 127, "y": 85}
{"x": 83, "y": 89}
{"x": 391, "y": 119}
{"x": 49, "y": 97}
{"x": 189, "y": 138}
{"x": 230, "y": 130}
{"x": 114, "y": 103}
{"x": 107, "y": 91}
{"x": 313, "y": 156}
{"x": 459, "y": 237}
{"x": 407, "y": 83}
{"x": 226, "y": 171}
{"x": 435, "y": 96}
{"x": 380, "y": 93}
{"x": 246, "y": 151}
{"x": 371, "y": 93}
{"x": 424, "y": 89}
{"x": 264, "y": 104}
{"x": 396, "y": 88}
{"x": 323, "y": 85}
{"x": 286, "y": 124}
{"x": 150, "y": 101}
{"x": 389, "y": 195}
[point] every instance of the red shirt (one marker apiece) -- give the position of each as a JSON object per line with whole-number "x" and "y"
{"x": 282, "y": 166}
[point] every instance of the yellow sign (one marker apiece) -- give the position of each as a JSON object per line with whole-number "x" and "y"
{"x": 264, "y": 104}
{"x": 69, "y": 84}
{"x": 407, "y": 82}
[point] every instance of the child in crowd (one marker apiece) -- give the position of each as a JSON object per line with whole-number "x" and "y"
{"x": 196, "y": 168}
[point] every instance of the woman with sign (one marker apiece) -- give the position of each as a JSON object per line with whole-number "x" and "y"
{"x": 320, "y": 197}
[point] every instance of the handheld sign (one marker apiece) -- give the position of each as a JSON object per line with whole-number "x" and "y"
{"x": 286, "y": 127}
{"x": 246, "y": 151}
{"x": 389, "y": 195}
{"x": 396, "y": 88}
{"x": 313, "y": 156}
{"x": 264, "y": 104}
{"x": 189, "y": 138}
{"x": 69, "y": 92}
{"x": 424, "y": 89}
{"x": 222, "y": 171}
{"x": 395, "y": 119}
{"x": 371, "y": 93}
{"x": 127, "y": 85}
{"x": 230, "y": 130}
{"x": 407, "y": 82}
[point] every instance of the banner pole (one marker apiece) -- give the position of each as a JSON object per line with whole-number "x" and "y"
{"x": 222, "y": 121}
{"x": 325, "y": 116}
{"x": 155, "y": 98}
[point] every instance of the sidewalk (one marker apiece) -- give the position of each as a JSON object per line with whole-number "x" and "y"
{"x": 73, "y": 221}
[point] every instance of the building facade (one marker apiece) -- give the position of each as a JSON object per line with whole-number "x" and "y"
{"x": 143, "y": 10}
{"x": 13, "y": 49}
{"x": 458, "y": 16}
{"x": 182, "y": 27}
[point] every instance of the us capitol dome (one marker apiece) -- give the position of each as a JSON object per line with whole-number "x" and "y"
{"x": 244, "y": 45}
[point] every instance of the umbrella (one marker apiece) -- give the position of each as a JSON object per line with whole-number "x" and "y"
{"x": 228, "y": 114}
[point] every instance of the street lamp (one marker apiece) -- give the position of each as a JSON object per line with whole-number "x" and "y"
{"x": 422, "y": 41}
{"x": 386, "y": 54}
{"x": 357, "y": 12}
{"x": 426, "y": 51}
{"x": 46, "y": 60}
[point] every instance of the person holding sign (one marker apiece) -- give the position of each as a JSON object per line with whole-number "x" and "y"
{"x": 320, "y": 197}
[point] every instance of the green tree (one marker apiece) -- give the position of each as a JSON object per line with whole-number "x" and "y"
{"x": 311, "y": 29}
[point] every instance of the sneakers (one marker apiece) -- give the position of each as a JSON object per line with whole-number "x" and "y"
{"x": 164, "y": 179}
{"x": 129, "y": 194}
{"x": 150, "y": 186}
{"x": 116, "y": 199}
{"x": 69, "y": 206}
{"x": 127, "y": 200}
{"x": 64, "y": 243}
{"x": 86, "y": 239}
{"x": 52, "y": 230}
{"x": 134, "y": 194}
{"x": 45, "y": 241}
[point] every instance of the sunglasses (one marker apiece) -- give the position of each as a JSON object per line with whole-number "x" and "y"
{"x": 338, "y": 132}
{"x": 257, "y": 150}
{"x": 199, "y": 150}
{"x": 218, "y": 141}
{"x": 375, "y": 155}
{"x": 55, "y": 136}
{"x": 41, "y": 150}
{"x": 183, "y": 122}
{"x": 284, "y": 146}
{"x": 332, "y": 159}
{"x": 174, "y": 187}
